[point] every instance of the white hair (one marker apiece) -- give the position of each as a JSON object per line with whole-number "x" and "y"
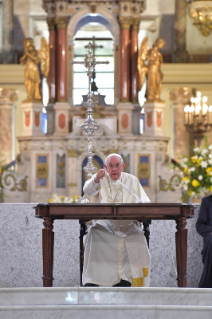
{"x": 114, "y": 154}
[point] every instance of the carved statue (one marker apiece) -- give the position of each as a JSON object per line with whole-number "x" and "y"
{"x": 149, "y": 64}
{"x": 33, "y": 61}
{"x": 43, "y": 54}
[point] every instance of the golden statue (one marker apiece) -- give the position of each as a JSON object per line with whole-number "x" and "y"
{"x": 43, "y": 54}
{"x": 149, "y": 64}
{"x": 33, "y": 59}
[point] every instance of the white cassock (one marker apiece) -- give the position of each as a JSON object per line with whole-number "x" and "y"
{"x": 115, "y": 249}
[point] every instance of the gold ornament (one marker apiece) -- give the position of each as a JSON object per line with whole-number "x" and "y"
{"x": 149, "y": 64}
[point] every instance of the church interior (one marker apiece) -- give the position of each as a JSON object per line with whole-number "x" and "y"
{"x": 43, "y": 135}
{"x": 149, "y": 96}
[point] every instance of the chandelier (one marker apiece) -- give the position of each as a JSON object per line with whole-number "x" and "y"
{"x": 201, "y": 12}
{"x": 198, "y": 117}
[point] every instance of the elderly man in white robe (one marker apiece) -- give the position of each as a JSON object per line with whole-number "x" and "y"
{"x": 116, "y": 252}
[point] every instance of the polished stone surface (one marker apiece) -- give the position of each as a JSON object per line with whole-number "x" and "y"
{"x": 21, "y": 250}
{"x": 154, "y": 303}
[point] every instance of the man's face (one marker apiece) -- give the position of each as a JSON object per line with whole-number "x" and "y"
{"x": 114, "y": 167}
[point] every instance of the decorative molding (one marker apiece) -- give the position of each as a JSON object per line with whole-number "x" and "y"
{"x": 51, "y": 23}
{"x": 20, "y": 186}
{"x": 61, "y": 23}
{"x": 181, "y": 95}
{"x": 72, "y": 153}
{"x": 201, "y": 12}
{"x": 172, "y": 185}
{"x": 135, "y": 24}
{"x": 42, "y": 170}
{"x": 125, "y": 22}
{"x": 8, "y": 96}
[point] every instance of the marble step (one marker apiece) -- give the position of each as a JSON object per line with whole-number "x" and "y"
{"x": 105, "y": 312}
{"x": 105, "y": 296}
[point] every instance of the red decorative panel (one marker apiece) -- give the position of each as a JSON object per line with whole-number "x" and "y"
{"x": 37, "y": 119}
{"x": 61, "y": 120}
{"x": 159, "y": 118}
{"x": 27, "y": 118}
{"x": 149, "y": 119}
{"x": 125, "y": 120}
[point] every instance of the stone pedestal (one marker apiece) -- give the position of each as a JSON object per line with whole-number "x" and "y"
{"x": 154, "y": 118}
{"x": 125, "y": 118}
{"x": 136, "y": 116}
{"x": 32, "y": 118}
{"x": 61, "y": 118}
{"x": 50, "y": 119}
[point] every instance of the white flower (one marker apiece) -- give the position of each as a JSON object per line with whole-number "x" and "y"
{"x": 197, "y": 149}
{"x": 210, "y": 155}
{"x": 192, "y": 193}
{"x": 211, "y": 179}
{"x": 210, "y": 161}
{"x": 200, "y": 157}
{"x": 200, "y": 177}
{"x": 204, "y": 164}
{"x": 204, "y": 151}
{"x": 210, "y": 147}
{"x": 192, "y": 169}
{"x": 185, "y": 187}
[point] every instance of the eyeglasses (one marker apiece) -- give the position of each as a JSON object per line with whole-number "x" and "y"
{"x": 117, "y": 166}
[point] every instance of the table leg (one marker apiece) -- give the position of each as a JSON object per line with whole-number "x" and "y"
{"x": 48, "y": 248}
{"x": 181, "y": 251}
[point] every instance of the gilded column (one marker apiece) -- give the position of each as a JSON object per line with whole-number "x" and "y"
{"x": 181, "y": 138}
{"x": 7, "y": 138}
{"x": 134, "y": 60}
{"x": 125, "y": 59}
{"x": 180, "y": 53}
{"x": 61, "y": 62}
{"x": 7, "y": 32}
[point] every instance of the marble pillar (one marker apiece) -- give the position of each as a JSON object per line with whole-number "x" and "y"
{"x": 51, "y": 77}
{"x": 61, "y": 106}
{"x": 134, "y": 60}
{"x": 52, "y": 53}
{"x": 61, "y": 60}
{"x": 180, "y": 53}
{"x": 182, "y": 140}
{"x": 125, "y": 59}
{"x": 136, "y": 115}
{"x": 7, "y": 32}
{"x": 7, "y": 98}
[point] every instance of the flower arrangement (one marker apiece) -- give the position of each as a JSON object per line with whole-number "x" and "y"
{"x": 196, "y": 172}
{"x": 63, "y": 199}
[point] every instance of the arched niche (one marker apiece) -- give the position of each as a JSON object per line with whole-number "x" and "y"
{"x": 78, "y": 20}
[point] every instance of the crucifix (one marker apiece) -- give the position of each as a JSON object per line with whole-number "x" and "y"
{"x": 90, "y": 126}
{"x": 94, "y": 87}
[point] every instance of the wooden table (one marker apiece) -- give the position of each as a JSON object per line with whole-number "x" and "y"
{"x": 169, "y": 211}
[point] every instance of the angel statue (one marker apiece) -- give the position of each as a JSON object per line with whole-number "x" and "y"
{"x": 149, "y": 64}
{"x": 34, "y": 61}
